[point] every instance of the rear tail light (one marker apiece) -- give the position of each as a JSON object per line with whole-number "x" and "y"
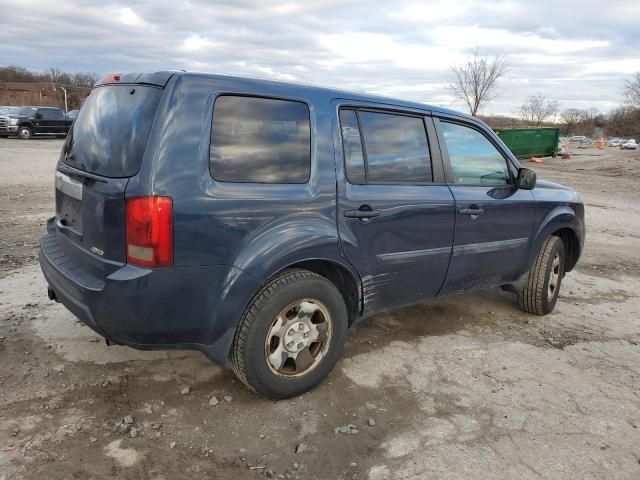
{"x": 150, "y": 231}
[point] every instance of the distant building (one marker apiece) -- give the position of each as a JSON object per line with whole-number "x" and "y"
{"x": 19, "y": 94}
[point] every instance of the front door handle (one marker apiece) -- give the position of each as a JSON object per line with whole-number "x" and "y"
{"x": 471, "y": 211}
{"x": 365, "y": 211}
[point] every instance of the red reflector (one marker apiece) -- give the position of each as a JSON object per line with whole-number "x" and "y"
{"x": 150, "y": 231}
{"x": 116, "y": 77}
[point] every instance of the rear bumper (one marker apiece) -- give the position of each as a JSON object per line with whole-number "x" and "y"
{"x": 169, "y": 308}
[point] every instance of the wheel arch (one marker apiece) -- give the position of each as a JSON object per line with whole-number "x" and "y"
{"x": 562, "y": 222}
{"x": 346, "y": 281}
{"x": 571, "y": 245}
{"x": 309, "y": 245}
{"x": 242, "y": 289}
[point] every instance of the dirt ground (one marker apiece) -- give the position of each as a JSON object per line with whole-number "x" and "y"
{"x": 459, "y": 387}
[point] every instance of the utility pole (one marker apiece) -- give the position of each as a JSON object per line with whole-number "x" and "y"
{"x": 64, "y": 90}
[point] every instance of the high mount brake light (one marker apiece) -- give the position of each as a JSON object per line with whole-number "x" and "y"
{"x": 150, "y": 231}
{"x": 112, "y": 77}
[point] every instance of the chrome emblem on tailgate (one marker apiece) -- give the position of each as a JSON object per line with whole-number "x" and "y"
{"x": 97, "y": 251}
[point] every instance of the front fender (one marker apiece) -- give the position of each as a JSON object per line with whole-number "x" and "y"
{"x": 563, "y": 216}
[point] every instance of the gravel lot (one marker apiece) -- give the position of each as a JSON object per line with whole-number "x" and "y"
{"x": 459, "y": 387}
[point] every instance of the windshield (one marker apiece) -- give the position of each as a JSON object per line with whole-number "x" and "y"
{"x": 6, "y": 110}
{"x": 25, "y": 110}
{"x": 17, "y": 110}
{"x": 109, "y": 134}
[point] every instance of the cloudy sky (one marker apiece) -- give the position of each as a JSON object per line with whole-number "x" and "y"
{"x": 576, "y": 52}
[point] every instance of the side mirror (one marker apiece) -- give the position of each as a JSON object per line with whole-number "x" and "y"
{"x": 38, "y": 116}
{"x": 526, "y": 178}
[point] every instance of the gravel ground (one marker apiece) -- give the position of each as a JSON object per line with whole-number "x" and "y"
{"x": 458, "y": 387}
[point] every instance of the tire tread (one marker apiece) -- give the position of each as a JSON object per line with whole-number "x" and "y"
{"x": 250, "y": 316}
{"x": 532, "y": 295}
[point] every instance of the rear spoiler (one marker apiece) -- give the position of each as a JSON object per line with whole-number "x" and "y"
{"x": 158, "y": 79}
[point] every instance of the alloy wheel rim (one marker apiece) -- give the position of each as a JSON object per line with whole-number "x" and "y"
{"x": 554, "y": 277}
{"x": 298, "y": 338}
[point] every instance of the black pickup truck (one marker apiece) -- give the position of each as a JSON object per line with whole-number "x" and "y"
{"x": 25, "y": 122}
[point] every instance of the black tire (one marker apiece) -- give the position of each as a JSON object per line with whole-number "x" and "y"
{"x": 24, "y": 133}
{"x": 249, "y": 352}
{"x": 539, "y": 295}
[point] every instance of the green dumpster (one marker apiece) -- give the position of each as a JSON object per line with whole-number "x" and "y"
{"x": 530, "y": 141}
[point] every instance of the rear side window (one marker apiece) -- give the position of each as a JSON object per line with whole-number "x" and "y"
{"x": 260, "y": 140}
{"x": 51, "y": 114}
{"x": 352, "y": 146}
{"x": 474, "y": 159}
{"x": 395, "y": 150}
{"x": 109, "y": 135}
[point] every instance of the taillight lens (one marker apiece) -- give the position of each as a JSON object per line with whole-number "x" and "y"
{"x": 150, "y": 231}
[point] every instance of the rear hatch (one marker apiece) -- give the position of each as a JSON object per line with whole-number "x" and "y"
{"x": 104, "y": 148}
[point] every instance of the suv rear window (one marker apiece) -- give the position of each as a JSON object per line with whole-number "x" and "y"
{"x": 260, "y": 140}
{"x": 109, "y": 135}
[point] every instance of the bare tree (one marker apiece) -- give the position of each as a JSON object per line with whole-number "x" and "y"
{"x": 15, "y": 73}
{"x": 474, "y": 82}
{"x": 625, "y": 122}
{"x": 537, "y": 108}
{"x": 572, "y": 117}
{"x": 85, "y": 79}
{"x": 54, "y": 74}
{"x": 632, "y": 91}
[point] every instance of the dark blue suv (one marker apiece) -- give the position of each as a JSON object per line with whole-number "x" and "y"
{"x": 256, "y": 221}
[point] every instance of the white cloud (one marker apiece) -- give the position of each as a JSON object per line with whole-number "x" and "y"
{"x": 195, "y": 42}
{"x": 461, "y": 37}
{"x": 578, "y": 55}
{"x": 129, "y": 17}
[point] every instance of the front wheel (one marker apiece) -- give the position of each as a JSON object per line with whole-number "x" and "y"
{"x": 24, "y": 133}
{"x": 540, "y": 292}
{"x": 290, "y": 335}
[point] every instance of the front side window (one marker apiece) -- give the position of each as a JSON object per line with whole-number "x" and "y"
{"x": 474, "y": 159}
{"x": 261, "y": 140}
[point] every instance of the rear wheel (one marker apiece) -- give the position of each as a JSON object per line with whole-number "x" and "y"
{"x": 24, "y": 133}
{"x": 540, "y": 292}
{"x": 290, "y": 336}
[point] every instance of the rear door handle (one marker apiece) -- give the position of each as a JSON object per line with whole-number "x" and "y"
{"x": 365, "y": 211}
{"x": 471, "y": 211}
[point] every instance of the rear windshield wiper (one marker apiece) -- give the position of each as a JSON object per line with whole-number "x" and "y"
{"x": 80, "y": 173}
